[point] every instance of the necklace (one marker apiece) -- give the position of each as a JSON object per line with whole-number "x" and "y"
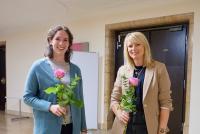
{"x": 138, "y": 72}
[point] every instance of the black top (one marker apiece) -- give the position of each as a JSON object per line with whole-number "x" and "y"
{"x": 139, "y": 72}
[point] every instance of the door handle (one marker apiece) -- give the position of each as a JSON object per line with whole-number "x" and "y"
{"x": 3, "y": 81}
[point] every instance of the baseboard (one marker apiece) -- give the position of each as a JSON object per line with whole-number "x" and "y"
{"x": 13, "y": 112}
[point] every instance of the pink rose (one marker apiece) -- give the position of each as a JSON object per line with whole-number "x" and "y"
{"x": 133, "y": 81}
{"x": 59, "y": 73}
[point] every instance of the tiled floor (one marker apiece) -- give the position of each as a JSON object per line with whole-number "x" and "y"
{"x": 23, "y": 126}
{"x": 7, "y": 126}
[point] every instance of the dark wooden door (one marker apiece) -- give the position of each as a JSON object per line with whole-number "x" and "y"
{"x": 2, "y": 78}
{"x": 168, "y": 45}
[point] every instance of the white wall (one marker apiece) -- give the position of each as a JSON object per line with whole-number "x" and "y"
{"x": 21, "y": 50}
{"x": 24, "y": 48}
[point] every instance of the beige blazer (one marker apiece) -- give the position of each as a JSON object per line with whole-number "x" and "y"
{"x": 156, "y": 94}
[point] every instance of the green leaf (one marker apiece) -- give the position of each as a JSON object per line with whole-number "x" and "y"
{"x": 59, "y": 94}
{"x": 64, "y": 103}
{"x": 77, "y": 102}
{"x": 50, "y": 90}
{"x": 65, "y": 93}
{"x": 65, "y": 96}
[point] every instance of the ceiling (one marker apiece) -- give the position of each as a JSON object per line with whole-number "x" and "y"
{"x": 20, "y": 14}
{"x": 24, "y": 14}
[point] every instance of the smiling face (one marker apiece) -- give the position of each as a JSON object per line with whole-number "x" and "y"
{"x": 135, "y": 51}
{"x": 60, "y": 42}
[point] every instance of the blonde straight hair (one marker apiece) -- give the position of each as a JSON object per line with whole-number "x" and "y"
{"x": 137, "y": 38}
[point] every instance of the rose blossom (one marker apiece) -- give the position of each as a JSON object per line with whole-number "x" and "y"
{"x": 59, "y": 73}
{"x": 134, "y": 81}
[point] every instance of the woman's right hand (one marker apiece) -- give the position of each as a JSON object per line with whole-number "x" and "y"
{"x": 57, "y": 110}
{"x": 122, "y": 116}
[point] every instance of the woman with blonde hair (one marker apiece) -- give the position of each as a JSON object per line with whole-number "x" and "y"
{"x": 153, "y": 101}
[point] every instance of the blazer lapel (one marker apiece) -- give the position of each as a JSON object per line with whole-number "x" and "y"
{"x": 129, "y": 71}
{"x": 147, "y": 80}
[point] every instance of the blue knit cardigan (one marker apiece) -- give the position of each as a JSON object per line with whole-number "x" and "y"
{"x": 39, "y": 78}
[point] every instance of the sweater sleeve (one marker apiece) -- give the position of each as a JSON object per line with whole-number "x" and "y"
{"x": 31, "y": 90}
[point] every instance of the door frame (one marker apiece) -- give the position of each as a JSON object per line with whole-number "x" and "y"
{"x": 3, "y": 43}
{"x": 110, "y": 30}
